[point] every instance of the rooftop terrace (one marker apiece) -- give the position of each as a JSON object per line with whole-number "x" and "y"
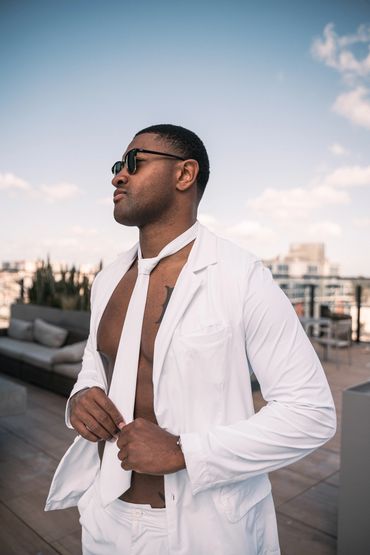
{"x": 32, "y": 444}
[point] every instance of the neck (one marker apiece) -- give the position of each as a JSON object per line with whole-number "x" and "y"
{"x": 154, "y": 237}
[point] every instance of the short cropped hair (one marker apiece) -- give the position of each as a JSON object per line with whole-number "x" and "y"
{"x": 187, "y": 144}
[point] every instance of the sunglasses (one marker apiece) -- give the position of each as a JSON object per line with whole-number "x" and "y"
{"x": 129, "y": 160}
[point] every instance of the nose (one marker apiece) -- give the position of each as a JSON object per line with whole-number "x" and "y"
{"x": 120, "y": 179}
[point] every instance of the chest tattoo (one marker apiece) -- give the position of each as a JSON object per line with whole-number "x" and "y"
{"x": 169, "y": 291}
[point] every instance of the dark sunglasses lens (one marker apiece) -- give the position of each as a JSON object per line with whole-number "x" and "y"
{"x": 131, "y": 161}
{"x": 117, "y": 166}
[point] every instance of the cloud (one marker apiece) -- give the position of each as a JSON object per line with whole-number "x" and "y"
{"x": 338, "y": 52}
{"x": 243, "y": 232}
{"x": 335, "y": 52}
{"x": 75, "y": 237}
{"x": 325, "y": 194}
{"x": 105, "y": 201}
{"x": 362, "y": 223}
{"x": 59, "y": 191}
{"x": 295, "y": 203}
{"x": 325, "y": 49}
{"x": 59, "y": 242}
{"x": 347, "y": 177}
{"x": 325, "y": 230}
{"x": 301, "y": 202}
{"x": 83, "y": 231}
{"x": 9, "y": 181}
{"x": 355, "y": 106}
{"x": 250, "y": 229}
{"x": 208, "y": 220}
{"x": 338, "y": 150}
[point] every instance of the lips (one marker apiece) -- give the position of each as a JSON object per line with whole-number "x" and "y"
{"x": 118, "y": 195}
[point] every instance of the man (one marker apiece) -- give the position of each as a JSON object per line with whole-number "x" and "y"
{"x": 170, "y": 456}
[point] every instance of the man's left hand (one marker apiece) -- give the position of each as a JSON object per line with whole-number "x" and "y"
{"x": 148, "y": 449}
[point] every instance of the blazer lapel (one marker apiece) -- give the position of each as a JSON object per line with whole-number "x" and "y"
{"x": 117, "y": 271}
{"x": 105, "y": 289}
{"x": 189, "y": 281}
{"x": 182, "y": 295}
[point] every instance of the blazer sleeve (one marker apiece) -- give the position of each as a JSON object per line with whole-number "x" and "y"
{"x": 89, "y": 375}
{"x": 299, "y": 416}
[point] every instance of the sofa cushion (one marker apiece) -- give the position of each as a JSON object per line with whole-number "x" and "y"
{"x": 68, "y": 369}
{"x": 48, "y": 334}
{"x": 33, "y": 353}
{"x": 39, "y": 355}
{"x": 69, "y": 353}
{"x": 20, "y": 329}
{"x": 14, "y": 348}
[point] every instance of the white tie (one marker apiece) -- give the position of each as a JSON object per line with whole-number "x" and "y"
{"x": 113, "y": 479}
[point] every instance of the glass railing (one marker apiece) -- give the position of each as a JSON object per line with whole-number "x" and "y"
{"x": 334, "y": 297}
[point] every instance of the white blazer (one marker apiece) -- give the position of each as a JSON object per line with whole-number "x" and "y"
{"x": 226, "y": 318}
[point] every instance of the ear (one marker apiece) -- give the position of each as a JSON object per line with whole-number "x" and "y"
{"x": 188, "y": 174}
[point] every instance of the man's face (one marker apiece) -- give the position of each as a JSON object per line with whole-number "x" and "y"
{"x": 149, "y": 194}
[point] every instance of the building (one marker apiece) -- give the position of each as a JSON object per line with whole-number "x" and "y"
{"x": 311, "y": 280}
{"x": 303, "y": 259}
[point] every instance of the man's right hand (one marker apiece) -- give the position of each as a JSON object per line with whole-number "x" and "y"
{"x": 93, "y": 415}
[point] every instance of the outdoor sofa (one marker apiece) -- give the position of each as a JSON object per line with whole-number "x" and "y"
{"x": 44, "y": 345}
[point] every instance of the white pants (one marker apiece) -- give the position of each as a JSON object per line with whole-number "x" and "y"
{"x": 121, "y": 528}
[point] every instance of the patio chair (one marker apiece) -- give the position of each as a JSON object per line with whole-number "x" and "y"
{"x": 338, "y": 335}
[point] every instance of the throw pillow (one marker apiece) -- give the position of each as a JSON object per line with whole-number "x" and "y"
{"x": 20, "y": 329}
{"x": 48, "y": 334}
{"x": 69, "y": 353}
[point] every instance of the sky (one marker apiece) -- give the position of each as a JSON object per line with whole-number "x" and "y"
{"x": 278, "y": 91}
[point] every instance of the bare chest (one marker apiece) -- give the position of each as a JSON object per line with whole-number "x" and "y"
{"x": 161, "y": 286}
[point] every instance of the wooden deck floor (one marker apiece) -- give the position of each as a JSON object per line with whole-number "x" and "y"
{"x": 32, "y": 444}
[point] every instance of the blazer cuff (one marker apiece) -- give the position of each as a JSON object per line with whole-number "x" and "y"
{"x": 195, "y": 460}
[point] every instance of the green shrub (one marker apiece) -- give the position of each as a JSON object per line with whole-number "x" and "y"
{"x": 70, "y": 292}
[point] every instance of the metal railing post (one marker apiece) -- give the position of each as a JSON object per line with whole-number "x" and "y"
{"x": 312, "y": 299}
{"x": 358, "y": 295}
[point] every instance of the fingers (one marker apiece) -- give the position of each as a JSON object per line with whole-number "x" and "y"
{"x": 94, "y": 416}
{"x": 146, "y": 448}
{"x": 104, "y": 422}
{"x": 83, "y": 431}
{"x": 122, "y": 440}
{"x": 124, "y": 457}
{"x": 123, "y": 444}
{"x": 107, "y": 406}
{"x": 99, "y": 424}
{"x": 125, "y": 464}
{"x": 132, "y": 444}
